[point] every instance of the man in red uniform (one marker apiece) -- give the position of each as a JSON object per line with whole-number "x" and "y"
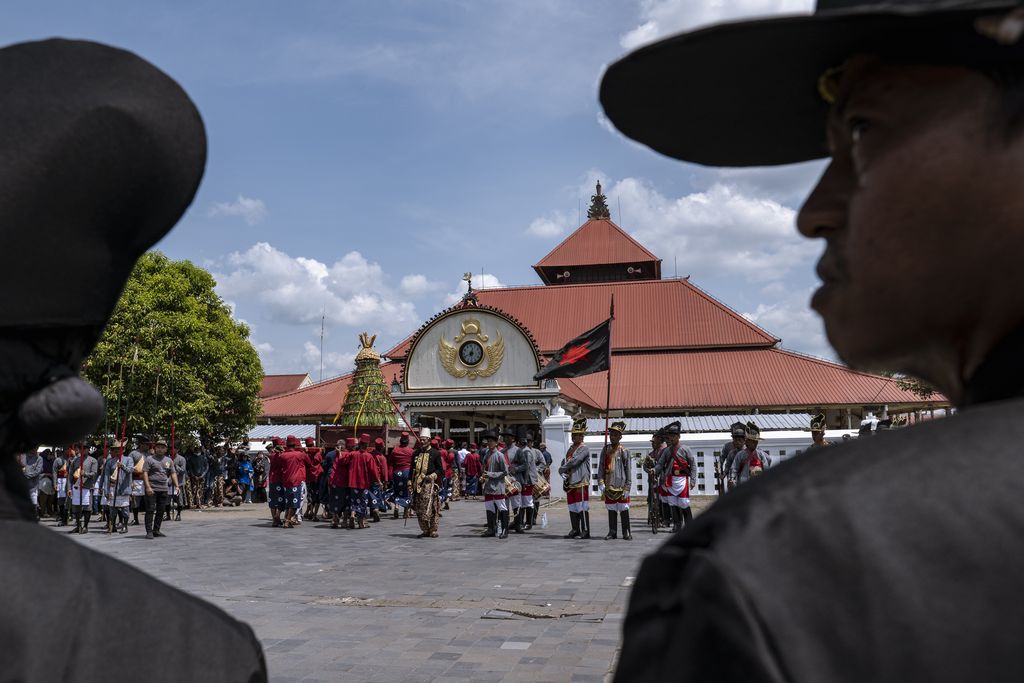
{"x": 275, "y": 496}
{"x": 380, "y": 494}
{"x": 401, "y": 464}
{"x": 447, "y": 458}
{"x": 295, "y": 466}
{"x": 313, "y": 482}
{"x": 473, "y": 471}
{"x": 338, "y": 482}
{"x": 362, "y": 475}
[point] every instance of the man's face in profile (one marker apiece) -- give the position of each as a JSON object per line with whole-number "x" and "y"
{"x": 922, "y": 214}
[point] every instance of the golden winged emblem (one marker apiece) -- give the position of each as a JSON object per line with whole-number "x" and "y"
{"x": 465, "y": 357}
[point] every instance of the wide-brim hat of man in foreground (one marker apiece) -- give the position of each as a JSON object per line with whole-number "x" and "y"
{"x": 100, "y": 155}
{"x": 866, "y": 563}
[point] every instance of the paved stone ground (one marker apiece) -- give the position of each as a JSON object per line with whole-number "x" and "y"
{"x": 380, "y": 605}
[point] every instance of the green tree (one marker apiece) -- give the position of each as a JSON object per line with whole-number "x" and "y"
{"x": 172, "y": 352}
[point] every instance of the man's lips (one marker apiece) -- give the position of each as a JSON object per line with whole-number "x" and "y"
{"x": 829, "y": 269}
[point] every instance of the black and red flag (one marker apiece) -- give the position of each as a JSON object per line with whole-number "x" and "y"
{"x": 586, "y": 354}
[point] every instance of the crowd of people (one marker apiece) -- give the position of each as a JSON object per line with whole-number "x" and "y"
{"x": 352, "y": 483}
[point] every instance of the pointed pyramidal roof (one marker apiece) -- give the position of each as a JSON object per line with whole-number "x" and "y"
{"x": 597, "y": 243}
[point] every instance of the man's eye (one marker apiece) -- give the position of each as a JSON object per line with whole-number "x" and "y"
{"x": 857, "y": 127}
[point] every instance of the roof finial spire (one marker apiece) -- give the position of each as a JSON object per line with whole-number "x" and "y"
{"x": 598, "y": 205}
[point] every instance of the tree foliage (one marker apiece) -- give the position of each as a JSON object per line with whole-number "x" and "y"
{"x": 172, "y": 352}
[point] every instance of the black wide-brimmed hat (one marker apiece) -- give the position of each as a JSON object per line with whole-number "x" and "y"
{"x": 746, "y": 93}
{"x": 100, "y": 155}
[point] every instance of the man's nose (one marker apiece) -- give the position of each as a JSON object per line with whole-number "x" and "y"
{"x": 825, "y": 208}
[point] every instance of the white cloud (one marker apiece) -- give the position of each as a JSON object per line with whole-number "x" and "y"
{"x": 252, "y": 211}
{"x": 298, "y": 290}
{"x": 480, "y": 281}
{"x": 555, "y": 224}
{"x": 335, "y": 362}
{"x": 660, "y": 18}
{"x": 790, "y": 318}
{"x": 418, "y": 285}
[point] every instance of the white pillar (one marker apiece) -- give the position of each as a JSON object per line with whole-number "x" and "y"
{"x": 558, "y": 437}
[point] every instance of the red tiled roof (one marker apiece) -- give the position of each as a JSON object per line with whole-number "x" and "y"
{"x": 323, "y": 398}
{"x": 598, "y": 241}
{"x": 274, "y": 385}
{"x": 568, "y": 388}
{"x": 755, "y": 378}
{"x": 649, "y": 314}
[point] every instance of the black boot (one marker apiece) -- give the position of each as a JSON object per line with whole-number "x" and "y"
{"x": 666, "y": 514}
{"x": 677, "y": 519}
{"x": 492, "y": 520}
{"x": 528, "y": 517}
{"x": 503, "y": 516}
{"x": 122, "y": 514}
{"x": 687, "y": 515}
{"x": 536, "y": 510}
{"x": 61, "y": 514}
{"x": 518, "y": 525}
{"x": 76, "y": 511}
{"x": 585, "y": 524}
{"x": 85, "y": 525}
{"x": 627, "y": 534}
{"x": 612, "y": 521}
{"x": 574, "y": 519}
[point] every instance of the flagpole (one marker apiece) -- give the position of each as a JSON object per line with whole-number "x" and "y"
{"x": 608, "y": 397}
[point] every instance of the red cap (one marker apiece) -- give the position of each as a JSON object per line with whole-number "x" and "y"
{"x": 379, "y": 441}
{"x": 472, "y": 445}
{"x": 405, "y": 434}
{"x": 364, "y": 438}
{"x": 310, "y": 442}
{"x": 449, "y": 442}
{"x": 276, "y": 441}
{"x": 435, "y": 442}
{"x": 292, "y": 441}
{"x": 350, "y": 441}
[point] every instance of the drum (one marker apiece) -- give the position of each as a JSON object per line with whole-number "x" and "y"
{"x": 511, "y": 486}
{"x": 542, "y": 487}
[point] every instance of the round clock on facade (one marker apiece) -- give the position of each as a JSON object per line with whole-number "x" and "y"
{"x": 471, "y": 353}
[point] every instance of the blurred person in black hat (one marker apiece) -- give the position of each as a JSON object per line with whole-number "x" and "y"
{"x": 495, "y": 470}
{"x": 101, "y": 153}
{"x": 918, "y": 104}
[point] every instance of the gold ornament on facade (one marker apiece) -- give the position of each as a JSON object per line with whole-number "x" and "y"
{"x": 367, "y": 351}
{"x": 466, "y": 355}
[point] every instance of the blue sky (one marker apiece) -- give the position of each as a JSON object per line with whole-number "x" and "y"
{"x": 363, "y": 155}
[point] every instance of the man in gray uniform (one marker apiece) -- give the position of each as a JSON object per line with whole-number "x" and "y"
{"x": 33, "y": 467}
{"x": 157, "y": 473}
{"x": 677, "y": 470}
{"x": 737, "y": 431}
{"x": 751, "y": 459}
{"x": 83, "y": 472}
{"x": 117, "y": 486}
{"x": 523, "y": 465}
{"x": 495, "y": 502}
{"x": 178, "y": 497}
{"x": 575, "y": 471}
{"x": 616, "y": 480}
{"x": 138, "y": 500}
